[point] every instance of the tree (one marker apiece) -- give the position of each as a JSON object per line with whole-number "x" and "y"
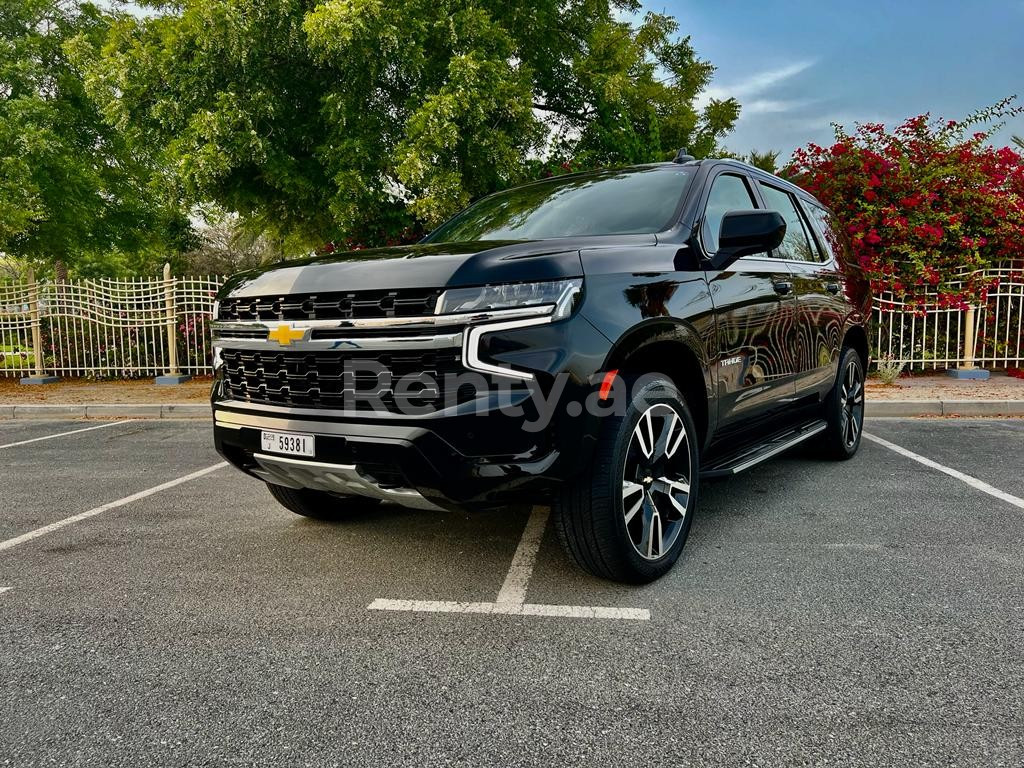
{"x": 72, "y": 189}
{"x": 1018, "y": 141}
{"x": 924, "y": 203}
{"x": 225, "y": 248}
{"x": 325, "y": 121}
{"x": 766, "y": 161}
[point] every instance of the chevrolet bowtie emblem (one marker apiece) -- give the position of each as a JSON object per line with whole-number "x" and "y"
{"x": 285, "y": 335}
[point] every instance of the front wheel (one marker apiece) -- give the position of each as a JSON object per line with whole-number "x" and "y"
{"x": 844, "y": 408}
{"x": 628, "y": 517}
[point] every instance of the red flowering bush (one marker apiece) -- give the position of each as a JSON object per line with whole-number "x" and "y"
{"x": 923, "y": 203}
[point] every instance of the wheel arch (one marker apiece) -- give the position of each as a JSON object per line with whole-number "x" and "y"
{"x": 857, "y": 338}
{"x": 673, "y": 348}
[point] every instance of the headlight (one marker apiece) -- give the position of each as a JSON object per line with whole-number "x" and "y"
{"x": 560, "y": 294}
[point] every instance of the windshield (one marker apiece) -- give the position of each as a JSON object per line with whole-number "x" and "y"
{"x": 624, "y": 202}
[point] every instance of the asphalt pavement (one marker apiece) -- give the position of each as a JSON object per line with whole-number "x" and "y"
{"x": 860, "y": 613}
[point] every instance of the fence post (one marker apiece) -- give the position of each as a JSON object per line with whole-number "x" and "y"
{"x": 967, "y": 369}
{"x": 35, "y": 319}
{"x": 173, "y": 375}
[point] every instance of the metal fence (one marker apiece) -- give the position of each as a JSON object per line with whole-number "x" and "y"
{"x": 107, "y": 328}
{"x": 141, "y": 327}
{"x": 934, "y": 337}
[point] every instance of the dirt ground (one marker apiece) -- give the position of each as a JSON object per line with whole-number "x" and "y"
{"x": 939, "y": 386}
{"x": 77, "y": 391}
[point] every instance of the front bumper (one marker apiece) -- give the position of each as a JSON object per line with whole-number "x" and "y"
{"x": 474, "y": 454}
{"x": 413, "y": 465}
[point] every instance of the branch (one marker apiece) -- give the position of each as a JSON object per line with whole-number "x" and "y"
{"x": 563, "y": 112}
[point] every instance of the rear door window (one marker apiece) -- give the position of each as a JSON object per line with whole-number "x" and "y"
{"x": 798, "y": 244}
{"x": 828, "y": 234}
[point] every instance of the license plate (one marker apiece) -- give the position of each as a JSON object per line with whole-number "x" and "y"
{"x": 289, "y": 442}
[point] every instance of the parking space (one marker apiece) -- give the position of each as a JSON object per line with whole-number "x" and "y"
{"x": 72, "y": 471}
{"x": 865, "y": 612}
{"x": 18, "y": 431}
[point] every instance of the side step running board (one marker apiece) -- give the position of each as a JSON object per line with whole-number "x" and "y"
{"x": 731, "y": 465}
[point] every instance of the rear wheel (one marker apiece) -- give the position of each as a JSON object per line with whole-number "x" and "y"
{"x": 628, "y": 517}
{"x": 319, "y": 505}
{"x": 844, "y": 408}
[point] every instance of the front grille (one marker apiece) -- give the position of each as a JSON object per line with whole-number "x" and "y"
{"x": 336, "y": 305}
{"x": 328, "y": 379}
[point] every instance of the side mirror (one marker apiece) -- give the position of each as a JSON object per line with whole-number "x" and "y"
{"x": 745, "y": 233}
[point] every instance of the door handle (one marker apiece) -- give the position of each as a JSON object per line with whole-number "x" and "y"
{"x": 833, "y": 288}
{"x": 783, "y": 287}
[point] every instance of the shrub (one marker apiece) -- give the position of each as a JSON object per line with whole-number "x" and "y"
{"x": 923, "y": 203}
{"x": 889, "y": 369}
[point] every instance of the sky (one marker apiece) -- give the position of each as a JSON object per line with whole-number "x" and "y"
{"x": 797, "y": 65}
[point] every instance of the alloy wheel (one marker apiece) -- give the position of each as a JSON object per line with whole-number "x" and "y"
{"x": 656, "y": 481}
{"x": 851, "y": 404}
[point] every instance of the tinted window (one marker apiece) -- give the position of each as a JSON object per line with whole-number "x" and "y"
{"x": 797, "y": 244}
{"x": 728, "y": 193}
{"x": 826, "y": 226}
{"x": 605, "y": 203}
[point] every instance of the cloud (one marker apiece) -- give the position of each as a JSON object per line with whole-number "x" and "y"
{"x": 771, "y": 106}
{"x": 845, "y": 119}
{"x": 747, "y": 89}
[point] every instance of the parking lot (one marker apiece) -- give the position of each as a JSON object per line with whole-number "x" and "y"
{"x": 159, "y": 609}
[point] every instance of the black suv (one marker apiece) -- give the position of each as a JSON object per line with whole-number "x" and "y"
{"x": 599, "y": 341}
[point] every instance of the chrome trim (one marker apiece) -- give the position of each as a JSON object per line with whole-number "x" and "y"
{"x": 410, "y": 323}
{"x": 334, "y": 478}
{"x": 488, "y": 401}
{"x": 439, "y": 341}
{"x": 775, "y": 451}
{"x": 471, "y": 347}
{"x": 287, "y": 421}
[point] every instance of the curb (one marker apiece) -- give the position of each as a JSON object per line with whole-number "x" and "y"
{"x": 904, "y": 408}
{"x": 108, "y": 411}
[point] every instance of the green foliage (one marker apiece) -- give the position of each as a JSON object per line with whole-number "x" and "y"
{"x": 889, "y": 369}
{"x": 766, "y": 161}
{"x": 929, "y": 205}
{"x": 370, "y": 119}
{"x": 224, "y": 247}
{"x": 72, "y": 189}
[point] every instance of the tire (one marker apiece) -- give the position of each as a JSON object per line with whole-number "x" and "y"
{"x": 844, "y": 409}
{"x": 317, "y": 504}
{"x": 628, "y": 516}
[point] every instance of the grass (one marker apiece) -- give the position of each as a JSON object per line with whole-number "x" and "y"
{"x": 11, "y": 356}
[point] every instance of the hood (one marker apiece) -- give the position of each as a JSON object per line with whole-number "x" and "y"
{"x": 430, "y": 265}
{"x": 426, "y": 265}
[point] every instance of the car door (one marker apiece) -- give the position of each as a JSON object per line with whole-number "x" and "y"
{"x": 817, "y": 284}
{"x": 755, "y": 313}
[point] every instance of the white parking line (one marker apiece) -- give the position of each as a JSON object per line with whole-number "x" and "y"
{"x": 35, "y": 534}
{"x": 512, "y": 609}
{"x": 971, "y": 481}
{"x": 519, "y": 573}
{"x": 62, "y": 434}
{"x": 511, "y": 600}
